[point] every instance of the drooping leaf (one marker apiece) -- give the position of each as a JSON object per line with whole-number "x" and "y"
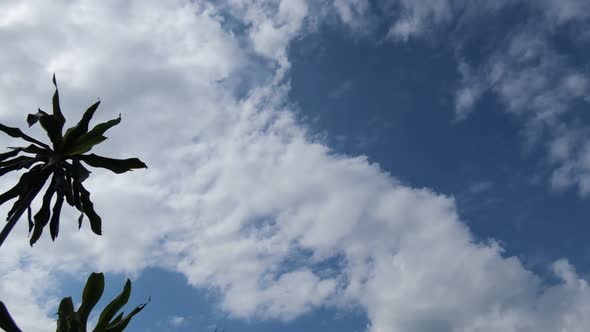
{"x": 122, "y": 324}
{"x": 34, "y": 183}
{"x": 32, "y": 148}
{"x": 69, "y": 190}
{"x": 90, "y": 296}
{"x": 35, "y": 117}
{"x": 14, "y": 161}
{"x": 113, "y": 307}
{"x": 29, "y": 181}
{"x": 12, "y": 192}
{"x": 6, "y": 321}
{"x": 42, "y": 216}
{"x": 79, "y": 172}
{"x": 30, "y": 219}
{"x": 16, "y": 164}
{"x": 115, "y": 165}
{"x": 76, "y": 194}
{"x": 10, "y": 154}
{"x": 55, "y": 214}
{"x": 73, "y": 133}
{"x": 88, "y": 208}
{"x": 53, "y": 129}
{"x": 17, "y": 133}
{"x": 78, "y": 201}
{"x": 16, "y": 205}
{"x": 38, "y": 178}
{"x": 60, "y": 180}
{"x": 80, "y": 219}
{"x": 64, "y": 184}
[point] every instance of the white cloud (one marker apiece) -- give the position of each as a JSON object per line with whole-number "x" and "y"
{"x": 355, "y": 14}
{"x": 540, "y": 87}
{"x": 479, "y": 187}
{"x": 469, "y": 92}
{"x": 237, "y": 197}
{"x": 177, "y": 321}
{"x": 564, "y": 11}
{"x": 536, "y": 82}
{"x": 413, "y": 17}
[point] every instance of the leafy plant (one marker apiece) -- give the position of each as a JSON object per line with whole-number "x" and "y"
{"x": 68, "y": 320}
{"x": 63, "y": 162}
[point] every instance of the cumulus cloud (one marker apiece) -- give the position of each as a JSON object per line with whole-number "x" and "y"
{"x": 237, "y": 196}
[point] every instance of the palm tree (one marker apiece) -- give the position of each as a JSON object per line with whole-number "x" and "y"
{"x": 63, "y": 162}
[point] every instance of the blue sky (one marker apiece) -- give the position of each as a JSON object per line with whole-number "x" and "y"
{"x": 329, "y": 165}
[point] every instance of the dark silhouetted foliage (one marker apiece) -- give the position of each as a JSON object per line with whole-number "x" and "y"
{"x": 63, "y": 162}
{"x": 69, "y": 320}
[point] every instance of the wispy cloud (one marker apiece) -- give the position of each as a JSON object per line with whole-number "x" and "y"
{"x": 341, "y": 90}
{"x": 526, "y": 70}
{"x": 177, "y": 321}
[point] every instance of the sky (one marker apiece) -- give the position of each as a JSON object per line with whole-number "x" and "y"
{"x": 315, "y": 165}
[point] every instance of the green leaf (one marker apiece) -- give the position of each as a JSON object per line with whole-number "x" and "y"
{"x": 17, "y": 133}
{"x": 6, "y": 321}
{"x": 84, "y": 146}
{"x": 65, "y": 315}
{"x": 112, "y": 308}
{"x": 59, "y": 117}
{"x": 115, "y": 165}
{"x": 55, "y": 214}
{"x": 51, "y": 126}
{"x": 90, "y": 296}
{"x": 42, "y": 216}
{"x": 119, "y": 326}
{"x": 85, "y": 142}
{"x": 73, "y": 133}
{"x": 88, "y": 208}
{"x": 118, "y": 318}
